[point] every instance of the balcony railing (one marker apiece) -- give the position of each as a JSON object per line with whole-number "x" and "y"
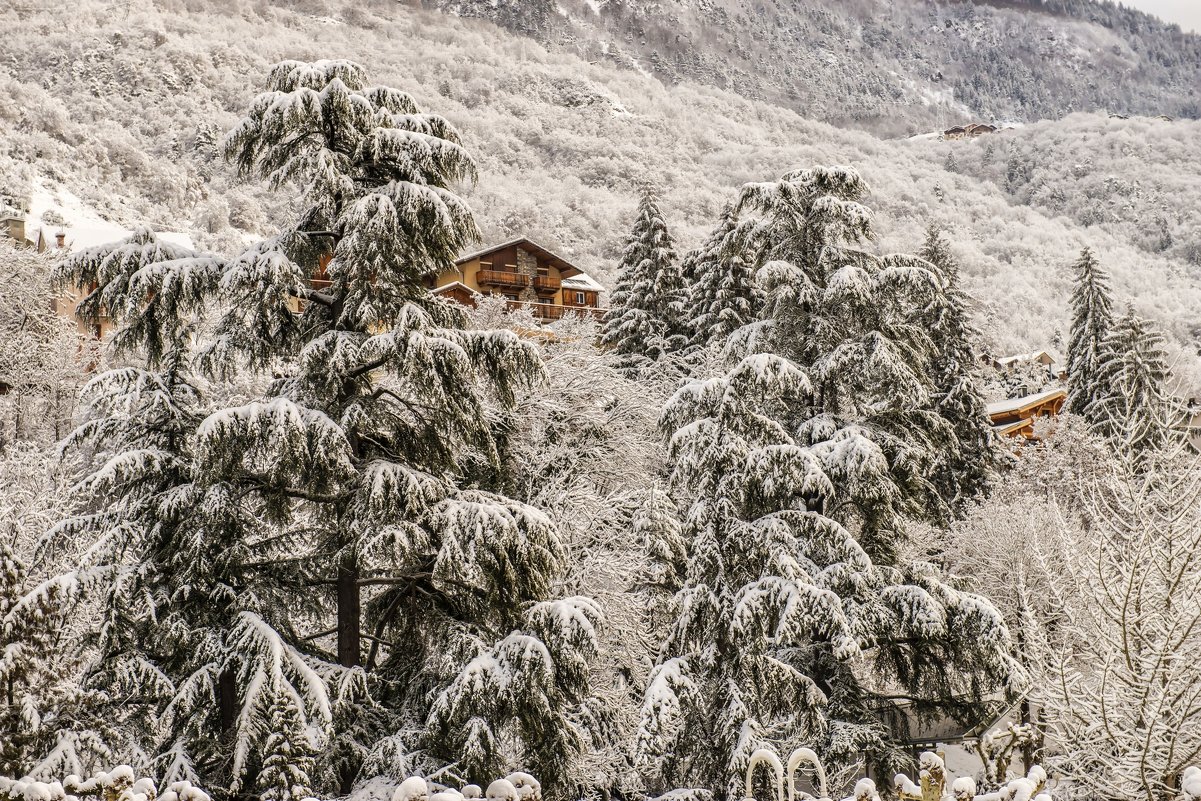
{"x": 546, "y": 283}
{"x": 502, "y": 278}
{"x": 550, "y": 311}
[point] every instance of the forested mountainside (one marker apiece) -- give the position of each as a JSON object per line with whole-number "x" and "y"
{"x": 124, "y": 104}
{"x": 891, "y": 66}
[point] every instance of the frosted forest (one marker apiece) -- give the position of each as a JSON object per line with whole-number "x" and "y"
{"x": 281, "y": 519}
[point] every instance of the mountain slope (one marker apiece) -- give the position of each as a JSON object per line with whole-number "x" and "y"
{"x": 127, "y": 117}
{"x": 892, "y": 66}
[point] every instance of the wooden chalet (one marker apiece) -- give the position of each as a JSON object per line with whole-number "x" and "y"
{"x": 527, "y": 275}
{"x": 1015, "y": 417}
{"x": 969, "y": 131}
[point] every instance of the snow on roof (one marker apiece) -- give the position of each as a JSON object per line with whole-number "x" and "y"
{"x": 582, "y": 281}
{"x": 1017, "y": 404}
{"x": 1005, "y": 361}
{"x": 439, "y": 290}
{"x": 82, "y": 224}
{"x": 527, "y": 244}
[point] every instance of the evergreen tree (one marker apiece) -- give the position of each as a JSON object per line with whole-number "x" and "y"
{"x": 962, "y": 469}
{"x": 1092, "y": 317}
{"x": 800, "y": 463}
{"x": 371, "y": 439}
{"x": 853, "y": 322}
{"x": 289, "y": 762}
{"x": 187, "y": 581}
{"x": 27, "y": 669}
{"x": 646, "y": 310}
{"x": 722, "y": 295}
{"x": 1136, "y": 412}
{"x": 785, "y": 632}
{"x": 341, "y": 491}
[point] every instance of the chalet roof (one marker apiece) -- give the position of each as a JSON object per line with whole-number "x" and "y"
{"x": 1008, "y": 428}
{"x": 447, "y": 287}
{"x": 566, "y": 268}
{"x": 582, "y": 281}
{"x": 1005, "y": 361}
{"x": 1019, "y": 405}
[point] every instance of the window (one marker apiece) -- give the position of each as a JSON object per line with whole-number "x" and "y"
{"x": 580, "y": 300}
{"x": 485, "y": 265}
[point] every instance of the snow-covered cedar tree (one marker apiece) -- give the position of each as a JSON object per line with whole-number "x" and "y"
{"x": 1123, "y": 700}
{"x": 964, "y": 466}
{"x": 26, "y": 667}
{"x": 646, "y": 309}
{"x": 440, "y": 590}
{"x": 786, "y": 633}
{"x": 183, "y": 580}
{"x": 722, "y": 296}
{"x": 1092, "y": 317}
{"x": 1136, "y": 412}
{"x": 854, "y": 323}
{"x": 43, "y": 356}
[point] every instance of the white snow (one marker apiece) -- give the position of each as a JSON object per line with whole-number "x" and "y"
{"x": 83, "y": 225}
{"x": 1013, "y": 404}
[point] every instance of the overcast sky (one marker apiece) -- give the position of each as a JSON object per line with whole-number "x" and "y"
{"x": 1185, "y": 12}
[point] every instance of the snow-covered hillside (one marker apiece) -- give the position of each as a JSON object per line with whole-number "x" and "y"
{"x": 129, "y": 117}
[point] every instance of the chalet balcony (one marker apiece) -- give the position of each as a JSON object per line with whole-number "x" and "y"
{"x": 550, "y": 311}
{"x": 546, "y": 283}
{"x": 501, "y": 278}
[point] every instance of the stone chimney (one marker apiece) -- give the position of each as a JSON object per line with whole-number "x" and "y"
{"x": 12, "y": 224}
{"x": 527, "y": 265}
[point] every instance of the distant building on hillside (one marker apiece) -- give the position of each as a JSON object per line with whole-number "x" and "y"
{"x": 527, "y": 275}
{"x": 13, "y": 224}
{"x": 1015, "y": 417}
{"x": 1018, "y": 361}
{"x": 969, "y": 131}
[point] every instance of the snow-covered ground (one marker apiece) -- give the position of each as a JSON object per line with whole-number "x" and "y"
{"x": 50, "y": 202}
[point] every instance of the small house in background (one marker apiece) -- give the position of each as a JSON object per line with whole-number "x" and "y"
{"x": 969, "y": 131}
{"x": 13, "y": 225}
{"x": 527, "y": 275}
{"x": 1015, "y": 417}
{"x": 1009, "y": 364}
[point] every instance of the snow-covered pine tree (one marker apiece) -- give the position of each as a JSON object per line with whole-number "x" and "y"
{"x": 37, "y": 664}
{"x": 801, "y": 463}
{"x": 852, "y": 321}
{"x": 646, "y": 310}
{"x": 289, "y": 761}
{"x": 721, "y": 295}
{"x": 183, "y": 577}
{"x": 964, "y": 467}
{"x": 1135, "y": 413}
{"x": 1092, "y": 317}
{"x": 786, "y": 633}
{"x": 361, "y": 445}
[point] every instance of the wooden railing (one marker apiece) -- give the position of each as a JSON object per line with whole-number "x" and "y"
{"x": 502, "y": 278}
{"x": 550, "y": 311}
{"x": 547, "y": 283}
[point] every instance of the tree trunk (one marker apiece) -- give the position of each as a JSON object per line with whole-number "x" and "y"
{"x": 349, "y": 614}
{"x": 227, "y": 699}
